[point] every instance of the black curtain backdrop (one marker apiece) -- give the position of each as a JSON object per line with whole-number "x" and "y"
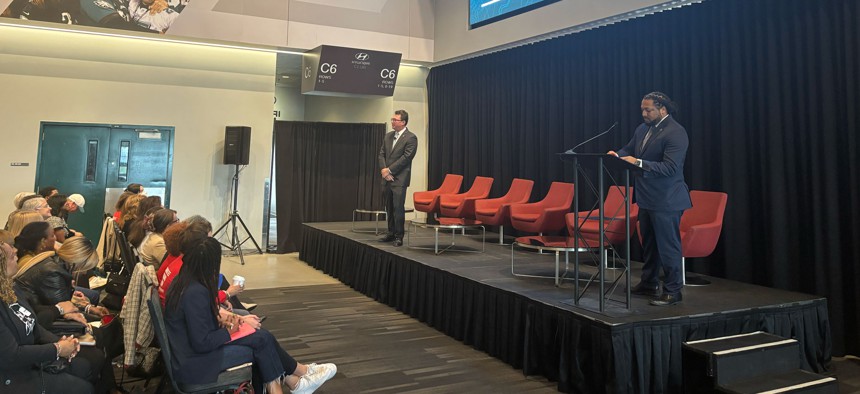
{"x": 768, "y": 91}
{"x": 324, "y": 171}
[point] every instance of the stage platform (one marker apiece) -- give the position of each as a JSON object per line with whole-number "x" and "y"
{"x": 533, "y": 325}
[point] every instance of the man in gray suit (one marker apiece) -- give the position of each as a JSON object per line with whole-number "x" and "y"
{"x": 395, "y": 160}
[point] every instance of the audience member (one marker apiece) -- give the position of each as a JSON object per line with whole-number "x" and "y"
{"x": 42, "y": 275}
{"x": 80, "y": 256}
{"x": 48, "y": 191}
{"x": 75, "y": 203}
{"x": 152, "y": 250}
{"x": 57, "y": 203}
{"x": 20, "y": 218}
{"x": 39, "y": 205}
{"x": 130, "y": 213}
{"x": 203, "y": 339}
{"x": 20, "y": 197}
{"x": 27, "y": 345}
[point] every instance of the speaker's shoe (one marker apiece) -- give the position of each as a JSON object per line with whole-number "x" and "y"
{"x": 646, "y": 290}
{"x": 667, "y": 299}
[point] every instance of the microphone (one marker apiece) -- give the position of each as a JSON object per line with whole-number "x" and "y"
{"x": 572, "y": 150}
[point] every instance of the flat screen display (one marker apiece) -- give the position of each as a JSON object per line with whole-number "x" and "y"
{"x": 482, "y": 12}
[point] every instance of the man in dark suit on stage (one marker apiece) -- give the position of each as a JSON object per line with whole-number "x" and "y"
{"x": 659, "y": 147}
{"x": 395, "y": 160}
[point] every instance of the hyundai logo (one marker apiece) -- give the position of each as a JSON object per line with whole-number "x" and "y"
{"x": 361, "y": 56}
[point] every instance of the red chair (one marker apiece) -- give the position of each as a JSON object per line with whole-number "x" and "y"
{"x": 546, "y": 215}
{"x": 463, "y": 205}
{"x": 497, "y": 211}
{"x": 613, "y": 211}
{"x": 428, "y": 202}
{"x": 700, "y": 229}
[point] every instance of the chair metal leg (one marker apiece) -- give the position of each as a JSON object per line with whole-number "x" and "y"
{"x": 692, "y": 280}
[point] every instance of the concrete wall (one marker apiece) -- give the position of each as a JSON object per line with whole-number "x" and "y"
{"x": 66, "y": 77}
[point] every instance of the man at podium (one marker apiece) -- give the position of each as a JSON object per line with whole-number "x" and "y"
{"x": 659, "y": 147}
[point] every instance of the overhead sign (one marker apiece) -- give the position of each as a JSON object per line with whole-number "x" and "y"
{"x": 338, "y": 71}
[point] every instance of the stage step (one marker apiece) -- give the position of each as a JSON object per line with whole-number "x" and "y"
{"x": 797, "y": 381}
{"x": 716, "y": 362}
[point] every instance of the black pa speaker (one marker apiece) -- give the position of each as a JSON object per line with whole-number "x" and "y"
{"x": 237, "y": 145}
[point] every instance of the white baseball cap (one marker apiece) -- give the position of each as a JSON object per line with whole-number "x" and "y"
{"x": 79, "y": 201}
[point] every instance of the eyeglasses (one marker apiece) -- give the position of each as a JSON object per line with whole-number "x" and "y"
{"x": 396, "y": 120}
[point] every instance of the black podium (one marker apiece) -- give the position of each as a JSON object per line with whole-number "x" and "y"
{"x": 601, "y": 166}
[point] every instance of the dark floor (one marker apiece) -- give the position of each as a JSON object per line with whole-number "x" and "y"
{"x": 380, "y": 350}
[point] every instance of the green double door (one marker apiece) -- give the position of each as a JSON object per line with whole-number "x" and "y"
{"x": 99, "y": 161}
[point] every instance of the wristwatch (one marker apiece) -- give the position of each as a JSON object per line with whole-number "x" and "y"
{"x": 638, "y": 163}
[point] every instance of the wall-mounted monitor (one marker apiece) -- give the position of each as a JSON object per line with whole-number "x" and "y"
{"x": 482, "y": 12}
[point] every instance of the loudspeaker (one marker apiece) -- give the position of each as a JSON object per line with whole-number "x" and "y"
{"x": 237, "y": 145}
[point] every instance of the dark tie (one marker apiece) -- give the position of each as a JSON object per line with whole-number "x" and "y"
{"x": 645, "y": 140}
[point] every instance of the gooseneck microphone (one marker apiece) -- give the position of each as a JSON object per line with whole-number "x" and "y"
{"x": 573, "y": 150}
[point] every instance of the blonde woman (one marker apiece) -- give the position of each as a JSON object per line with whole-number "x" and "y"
{"x": 80, "y": 256}
{"x": 20, "y": 218}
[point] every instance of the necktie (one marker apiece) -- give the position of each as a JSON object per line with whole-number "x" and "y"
{"x": 396, "y": 136}
{"x": 645, "y": 140}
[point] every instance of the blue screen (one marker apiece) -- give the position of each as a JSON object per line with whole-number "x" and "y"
{"x": 482, "y": 12}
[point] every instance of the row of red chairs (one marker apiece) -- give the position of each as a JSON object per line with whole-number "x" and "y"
{"x": 700, "y": 226}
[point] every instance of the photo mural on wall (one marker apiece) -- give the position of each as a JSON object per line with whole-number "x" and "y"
{"x": 138, "y": 15}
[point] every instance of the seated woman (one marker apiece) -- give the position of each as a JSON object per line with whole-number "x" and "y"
{"x": 45, "y": 278}
{"x": 151, "y": 247}
{"x": 80, "y": 256}
{"x": 201, "y": 339}
{"x": 189, "y": 233}
{"x": 27, "y": 347}
{"x": 18, "y": 219}
{"x": 130, "y": 213}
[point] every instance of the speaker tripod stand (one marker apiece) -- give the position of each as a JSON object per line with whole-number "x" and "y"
{"x": 233, "y": 236}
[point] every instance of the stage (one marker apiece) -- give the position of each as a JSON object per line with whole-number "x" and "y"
{"x": 533, "y": 325}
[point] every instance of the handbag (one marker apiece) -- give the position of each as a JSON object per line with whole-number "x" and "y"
{"x": 117, "y": 284}
{"x": 110, "y": 336}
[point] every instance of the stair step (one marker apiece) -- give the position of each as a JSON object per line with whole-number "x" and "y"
{"x": 795, "y": 382}
{"x": 709, "y": 363}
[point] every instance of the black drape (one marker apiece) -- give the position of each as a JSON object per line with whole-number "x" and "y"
{"x": 324, "y": 171}
{"x": 768, "y": 92}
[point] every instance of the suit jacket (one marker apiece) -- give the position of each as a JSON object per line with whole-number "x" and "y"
{"x": 195, "y": 337}
{"x": 21, "y": 353}
{"x": 398, "y": 158}
{"x": 661, "y": 186}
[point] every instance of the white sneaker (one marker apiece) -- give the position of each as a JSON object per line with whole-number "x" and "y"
{"x": 316, "y": 376}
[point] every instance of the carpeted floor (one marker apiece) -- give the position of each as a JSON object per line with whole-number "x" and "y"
{"x": 380, "y": 350}
{"x": 376, "y": 348}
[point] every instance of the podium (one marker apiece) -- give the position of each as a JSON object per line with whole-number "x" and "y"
{"x": 599, "y": 165}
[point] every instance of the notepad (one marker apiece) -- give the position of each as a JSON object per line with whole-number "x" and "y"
{"x": 244, "y": 331}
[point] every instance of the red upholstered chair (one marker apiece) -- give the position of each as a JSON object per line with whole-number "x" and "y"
{"x": 463, "y": 205}
{"x": 700, "y": 229}
{"x": 546, "y": 215}
{"x": 613, "y": 211}
{"x": 497, "y": 211}
{"x": 428, "y": 202}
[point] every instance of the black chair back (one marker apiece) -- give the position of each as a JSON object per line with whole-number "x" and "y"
{"x": 227, "y": 380}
